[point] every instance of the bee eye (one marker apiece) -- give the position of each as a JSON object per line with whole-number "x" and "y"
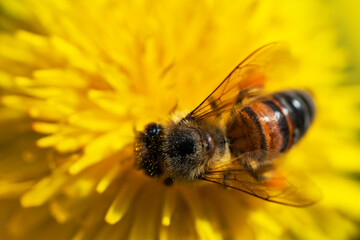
{"x": 153, "y": 129}
{"x": 185, "y": 146}
{"x": 153, "y": 134}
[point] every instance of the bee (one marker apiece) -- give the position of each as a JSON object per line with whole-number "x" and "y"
{"x": 234, "y": 136}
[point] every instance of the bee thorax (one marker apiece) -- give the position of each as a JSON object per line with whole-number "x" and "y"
{"x": 191, "y": 148}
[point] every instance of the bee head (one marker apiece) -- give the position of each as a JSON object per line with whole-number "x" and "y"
{"x": 148, "y": 150}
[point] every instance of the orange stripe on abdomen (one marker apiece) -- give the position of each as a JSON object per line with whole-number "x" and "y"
{"x": 260, "y": 126}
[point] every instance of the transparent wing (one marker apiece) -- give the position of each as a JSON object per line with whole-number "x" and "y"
{"x": 245, "y": 81}
{"x": 266, "y": 183}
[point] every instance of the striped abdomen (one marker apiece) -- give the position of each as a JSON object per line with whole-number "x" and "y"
{"x": 273, "y": 123}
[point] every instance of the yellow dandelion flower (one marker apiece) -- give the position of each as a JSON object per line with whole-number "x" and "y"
{"x": 77, "y": 77}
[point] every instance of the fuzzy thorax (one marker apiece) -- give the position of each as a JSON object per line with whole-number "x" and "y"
{"x": 192, "y": 147}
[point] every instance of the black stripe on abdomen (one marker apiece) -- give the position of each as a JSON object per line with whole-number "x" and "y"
{"x": 300, "y": 110}
{"x": 253, "y": 116}
{"x": 308, "y": 104}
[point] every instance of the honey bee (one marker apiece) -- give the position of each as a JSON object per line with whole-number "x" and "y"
{"x": 234, "y": 136}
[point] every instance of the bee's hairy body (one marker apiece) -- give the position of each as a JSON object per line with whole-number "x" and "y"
{"x": 185, "y": 149}
{"x": 234, "y": 135}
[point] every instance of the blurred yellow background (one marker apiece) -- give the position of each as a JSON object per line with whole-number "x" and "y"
{"x": 76, "y": 78}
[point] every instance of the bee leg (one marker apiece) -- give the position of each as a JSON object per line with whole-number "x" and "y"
{"x": 259, "y": 176}
{"x": 252, "y": 168}
{"x": 226, "y": 179}
{"x": 168, "y": 181}
{"x": 256, "y": 170}
{"x": 241, "y": 96}
{"x": 246, "y": 94}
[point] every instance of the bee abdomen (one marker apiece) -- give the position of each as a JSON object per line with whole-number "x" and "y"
{"x": 274, "y": 123}
{"x": 299, "y": 109}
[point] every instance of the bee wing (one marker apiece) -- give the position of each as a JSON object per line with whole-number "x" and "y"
{"x": 266, "y": 183}
{"x": 245, "y": 81}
